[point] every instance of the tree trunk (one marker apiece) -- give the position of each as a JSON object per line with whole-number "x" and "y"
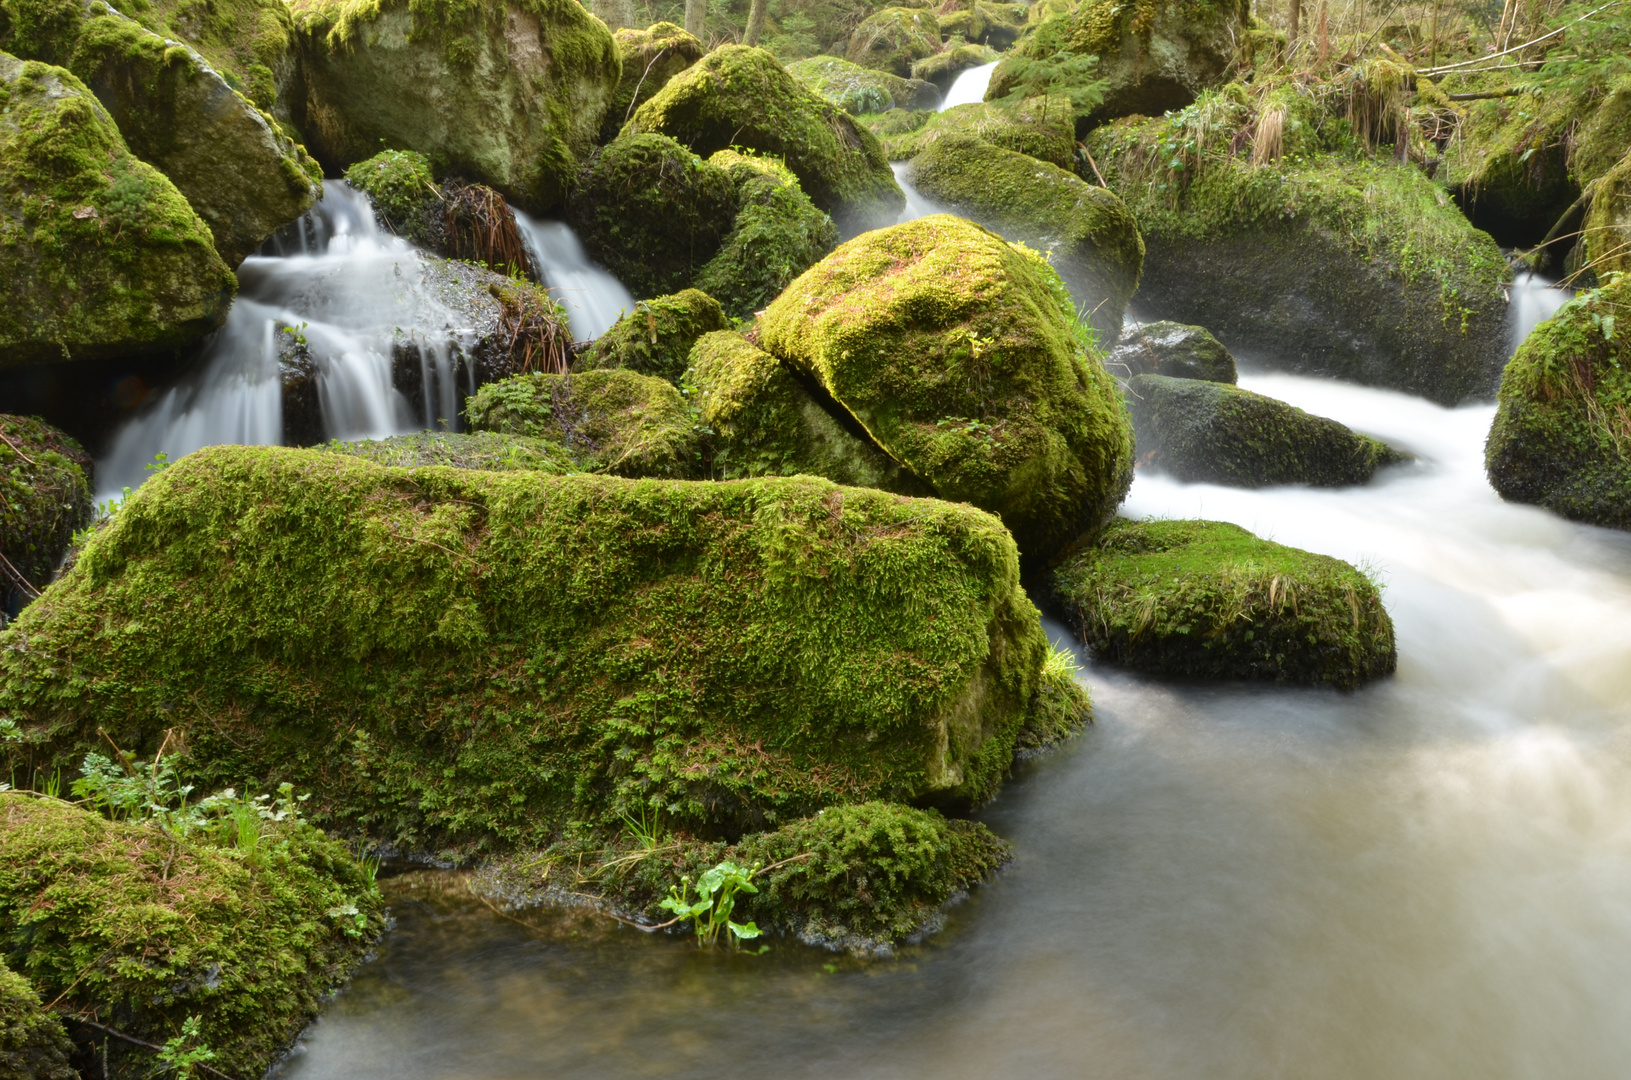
{"x": 756, "y": 22}
{"x": 616, "y": 14}
{"x": 695, "y": 10}
{"x": 1296, "y": 16}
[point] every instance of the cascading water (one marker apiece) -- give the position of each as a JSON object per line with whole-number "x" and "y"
{"x": 594, "y": 299}
{"x": 1534, "y": 298}
{"x": 969, "y": 86}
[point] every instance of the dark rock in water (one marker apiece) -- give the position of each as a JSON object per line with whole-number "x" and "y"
{"x": 1206, "y": 599}
{"x": 486, "y": 450}
{"x": 656, "y": 337}
{"x": 45, "y": 495}
{"x": 1214, "y": 433}
{"x": 1174, "y": 350}
{"x": 650, "y": 58}
{"x": 33, "y": 1045}
{"x": 1562, "y": 433}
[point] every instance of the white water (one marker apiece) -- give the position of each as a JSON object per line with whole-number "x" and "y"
{"x": 917, "y": 204}
{"x": 969, "y": 86}
{"x": 1534, "y": 298}
{"x": 594, "y": 299}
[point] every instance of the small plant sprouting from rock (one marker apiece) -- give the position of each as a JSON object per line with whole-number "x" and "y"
{"x": 710, "y": 909}
{"x": 184, "y": 1055}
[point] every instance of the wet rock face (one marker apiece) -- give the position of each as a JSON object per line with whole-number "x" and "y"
{"x": 507, "y": 94}
{"x": 100, "y": 255}
{"x": 1214, "y": 433}
{"x": 45, "y": 494}
{"x": 1174, "y": 350}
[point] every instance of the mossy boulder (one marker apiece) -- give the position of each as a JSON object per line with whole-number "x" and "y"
{"x": 1604, "y": 135}
{"x": 1214, "y": 433}
{"x": 1206, "y": 599}
{"x": 893, "y": 39}
{"x": 1561, "y": 438}
{"x": 859, "y": 90}
{"x": 508, "y": 93}
{"x": 33, "y": 1045}
{"x": 100, "y": 255}
{"x": 739, "y": 96}
{"x": 943, "y": 67}
{"x": 1005, "y": 24}
{"x": 608, "y": 421}
{"x": 141, "y": 928}
{"x": 1605, "y": 243}
{"x": 1037, "y": 129}
{"x": 650, "y": 58}
{"x": 1154, "y": 55}
{"x": 402, "y": 187}
{"x": 1087, "y": 232}
{"x": 458, "y": 659}
{"x": 656, "y": 337}
{"x": 778, "y": 233}
{"x": 895, "y": 122}
{"x": 1330, "y": 264}
{"x": 765, "y": 422}
{"x": 1174, "y": 350}
{"x": 957, "y": 352}
{"x": 651, "y": 212}
{"x": 487, "y": 450}
{"x": 45, "y": 494}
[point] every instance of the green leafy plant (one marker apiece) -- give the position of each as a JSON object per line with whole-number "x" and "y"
{"x": 1046, "y": 68}
{"x": 715, "y": 899}
{"x": 183, "y": 1055}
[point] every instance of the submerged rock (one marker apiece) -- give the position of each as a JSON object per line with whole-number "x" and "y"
{"x": 1561, "y": 434}
{"x": 142, "y": 928}
{"x": 957, "y": 352}
{"x": 1088, "y": 234}
{"x": 650, "y": 58}
{"x": 740, "y": 96}
{"x": 656, "y": 337}
{"x": 858, "y": 90}
{"x": 45, "y": 495}
{"x": 1206, "y": 599}
{"x": 1174, "y": 350}
{"x": 461, "y": 658}
{"x": 33, "y": 1045}
{"x": 893, "y": 38}
{"x": 505, "y": 94}
{"x": 1213, "y": 433}
{"x": 100, "y": 255}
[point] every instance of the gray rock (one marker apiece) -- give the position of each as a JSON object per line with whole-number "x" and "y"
{"x": 1175, "y": 350}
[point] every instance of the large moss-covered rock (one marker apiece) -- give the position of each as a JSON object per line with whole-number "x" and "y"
{"x": 45, "y": 494}
{"x": 1605, "y": 240}
{"x": 778, "y": 233}
{"x": 608, "y": 421}
{"x": 509, "y": 93}
{"x": 141, "y": 928}
{"x": 651, "y": 212}
{"x": 1604, "y": 135}
{"x": 1154, "y": 55}
{"x": 1038, "y": 129}
{"x": 452, "y": 657}
{"x": 858, "y": 90}
{"x": 1562, "y": 432}
{"x": 100, "y": 255}
{"x": 1174, "y": 350}
{"x": 1213, "y": 433}
{"x": 1206, "y": 599}
{"x": 33, "y": 1045}
{"x": 764, "y": 422}
{"x": 650, "y": 58}
{"x": 1326, "y": 264}
{"x": 738, "y": 96}
{"x": 1087, "y": 232}
{"x": 957, "y": 352}
{"x": 892, "y": 39}
{"x": 656, "y": 337}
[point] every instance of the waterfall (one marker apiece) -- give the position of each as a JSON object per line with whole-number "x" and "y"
{"x": 969, "y": 87}
{"x": 594, "y": 299}
{"x": 1535, "y": 299}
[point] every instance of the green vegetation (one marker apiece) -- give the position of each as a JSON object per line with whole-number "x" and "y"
{"x": 45, "y": 496}
{"x": 1047, "y": 68}
{"x": 859, "y": 90}
{"x": 943, "y": 67}
{"x": 1214, "y": 433}
{"x": 1562, "y": 433}
{"x": 710, "y": 910}
{"x": 958, "y": 353}
{"x": 650, "y": 58}
{"x": 1207, "y": 599}
{"x": 1023, "y": 129}
{"x": 33, "y": 1045}
{"x": 656, "y": 337}
{"x": 472, "y": 450}
{"x": 892, "y": 39}
{"x": 403, "y": 190}
{"x": 1606, "y": 243}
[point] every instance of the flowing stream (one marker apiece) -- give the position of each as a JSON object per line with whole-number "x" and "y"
{"x": 969, "y": 86}
{"x": 1427, "y": 878}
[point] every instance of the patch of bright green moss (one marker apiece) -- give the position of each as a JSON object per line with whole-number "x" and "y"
{"x": 466, "y": 450}
{"x": 650, "y": 58}
{"x": 858, "y": 90}
{"x": 1038, "y": 129}
{"x": 942, "y": 68}
{"x": 400, "y": 184}
{"x": 893, "y": 38}
{"x": 656, "y": 337}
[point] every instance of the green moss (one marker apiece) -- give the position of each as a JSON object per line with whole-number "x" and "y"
{"x": 1037, "y": 129}
{"x": 656, "y": 337}
{"x": 1606, "y": 232}
{"x": 763, "y": 422}
{"x": 1060, "y": 708}
{"x": 1175, "y": 350}
{"x": 891, "y": 39}
{"x": 402, "y": 188}
{"x": 1088, "y": 234}
{"x": 1207, "y": 599}
{"x": 942, "y": 68}
{"x": 778, "y": 234}
{"x": 741, "y": 97}
{"x": 957, "y": 352}
{"x": 474, "y": 450}
{"x": 610, "y": 421}
{"x": 895, "y": 122}
{"x": 1214, "y": 433}
{"x": 142, "y": 929}
{"x": 45, "y": 495}
{"x": 859, "y": 90}
{"x": 462, "y": 659}
{"x": 99, "y": 253}
{"x": 1561, "y": 437}
{"x": 1605, "y": 135}
{"x": 650, "y": 58}
{"x": 33, "y": 1045}
{"x": 651, "y": 212}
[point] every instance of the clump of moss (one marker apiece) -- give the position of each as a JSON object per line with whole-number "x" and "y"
{"x": 139, "y": 929}
{"x": 1562, "y": 432}
{"x": 1605, "y": 244}
{"x": 465, "y": 450}
{"x": 893, "y": 38}
{"x": 778, "y": 233}
{"x": 613, "y": 420}
{"x": 763, "y": 422}
{"x": 1213, "y": 433}
{"x": 99, "y": 254}
{"x": 958, "y": 353}
{"x": 1174, "y": 350}
{"x": 1036, "y": 128}
{"x": 741, "y": 97}
{"x": 858, "y": 90}
{"x": 403, "y": 190}
{"x": 942, "y": 68}
{"x": 651, "y": 212}
{"x": 656, "y": 337}
{"x": 1059, "y": 710}
{"x": 33, "y": 1045}
{"x": 1088, "y": 233}
{"x": 45, "y": 495}
{"x": 1604, "y": 135}
{"x": 650, "y": 58}
{"x": 1206, "y": 599}
{"x": 457, "y": 660}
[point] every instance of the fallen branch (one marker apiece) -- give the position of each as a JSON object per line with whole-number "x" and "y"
{"x": 1511, "y": 91}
